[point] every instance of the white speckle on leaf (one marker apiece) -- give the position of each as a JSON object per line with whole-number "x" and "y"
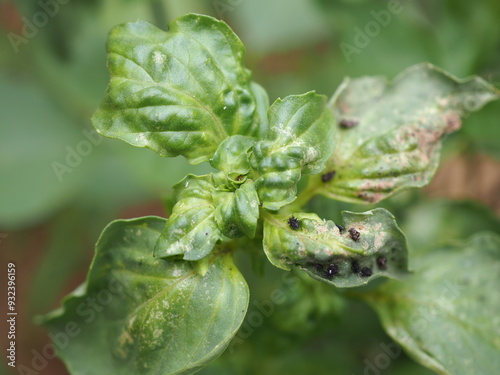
{"x": 159, "y": 58}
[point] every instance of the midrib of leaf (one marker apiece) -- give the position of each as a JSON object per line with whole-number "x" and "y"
{"x": 237, "y": 121}
{"x": 296, "y": 135}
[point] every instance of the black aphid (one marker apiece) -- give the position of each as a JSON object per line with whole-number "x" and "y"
{"x": 382, "y": 263}
{"x": 355, "y": 268}
{"x": 332, "y": 270}
{"x": 325, "y": 177}
{"x": 366, "y": 271}
{"x": 354, "y": 234}
{"x": 294, "y": 223}
{"x": 341, "y": 228}
{"x": 346, "y": 123}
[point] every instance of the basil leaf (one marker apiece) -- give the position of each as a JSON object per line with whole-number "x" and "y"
{"x": 390, "y": 133}
{"x": 446, "y": 314}
{"x": 191, "y": 230}
{"x": 299, "y": 140}
{"x": 142, "y": 315}
{"x": 366, "y": 246}
{"x": 232, "y": 156}
{"x": 180, "y": 92}
{"x": 237, "y": 212}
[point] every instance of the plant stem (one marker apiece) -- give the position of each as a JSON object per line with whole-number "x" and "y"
{"x": 304, "y": 197}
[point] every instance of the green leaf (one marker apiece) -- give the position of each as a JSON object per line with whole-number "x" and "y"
{"x": 390, "y": 134}
{"x": 191, "y": 230}
{"x": 446, "y": 314}
{"x": 232, "y": 157}
{"x": 141, "y": 315}
{"x": 180, "y": 92}
{"x": 367, "y": 245}
{"x": 299, "y": 140}
{"x": 237, "y": 212}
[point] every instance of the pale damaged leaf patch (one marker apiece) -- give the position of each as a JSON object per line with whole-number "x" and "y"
{"x": 389, "y": 134}
{"x": 149, "y": 316}
{"x": 366, "y": 246}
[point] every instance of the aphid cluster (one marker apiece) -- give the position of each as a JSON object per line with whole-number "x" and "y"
{"x": 294, "y": 223}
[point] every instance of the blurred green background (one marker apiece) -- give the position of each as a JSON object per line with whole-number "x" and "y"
{"x": 60, "y": 183}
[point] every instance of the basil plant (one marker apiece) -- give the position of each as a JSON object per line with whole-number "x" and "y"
{"x": 163, "y": 296}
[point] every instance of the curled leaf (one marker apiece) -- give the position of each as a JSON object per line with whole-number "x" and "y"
{"x": 237, "y": 212}
{"x": 297, "y": 142}
{"x": 366, "y": 246}
{"x": 389, "y": 134}
{"x": 191, "y": 230}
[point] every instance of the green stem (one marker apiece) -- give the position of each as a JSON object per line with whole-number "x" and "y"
{"x": 304, "y": 197}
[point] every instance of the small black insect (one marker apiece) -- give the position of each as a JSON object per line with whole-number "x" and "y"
{"x": 355, "y": 268}
{"x": 366, "y": 271}
{"x": 354, "y": 234}
{"x": 294, "y": 223}
{"x": 382, "y": 263}
{"x": 347, "y": 124}
{"x": 341, "y": 228}
{"x": 332, "y": 270}
{"x": 328, "y": 176}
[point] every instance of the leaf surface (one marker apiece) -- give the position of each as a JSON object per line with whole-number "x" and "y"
{"x": 191, "y": 230}
{"x": 446, "y": 314}
{"x": 142, "y": 315}
{"x": 298, "y": 141}
{"x": 366, "y": 246}
{"x": 390, "y": 134}
{"x": 179, "y": 92}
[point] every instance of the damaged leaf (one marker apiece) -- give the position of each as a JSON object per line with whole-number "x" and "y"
{"x": 297, "y": 142}
{"x": 138, "y": 314}
{"x": 237, "y": 211}
{"x": 232, "y": 157}
{"x": 366, "y": 246}
{"x": 446, "y": 314}
{"x": 191, "y": 230}
{"x": 389, "y": 134}
{"x": 179, "y": 92}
